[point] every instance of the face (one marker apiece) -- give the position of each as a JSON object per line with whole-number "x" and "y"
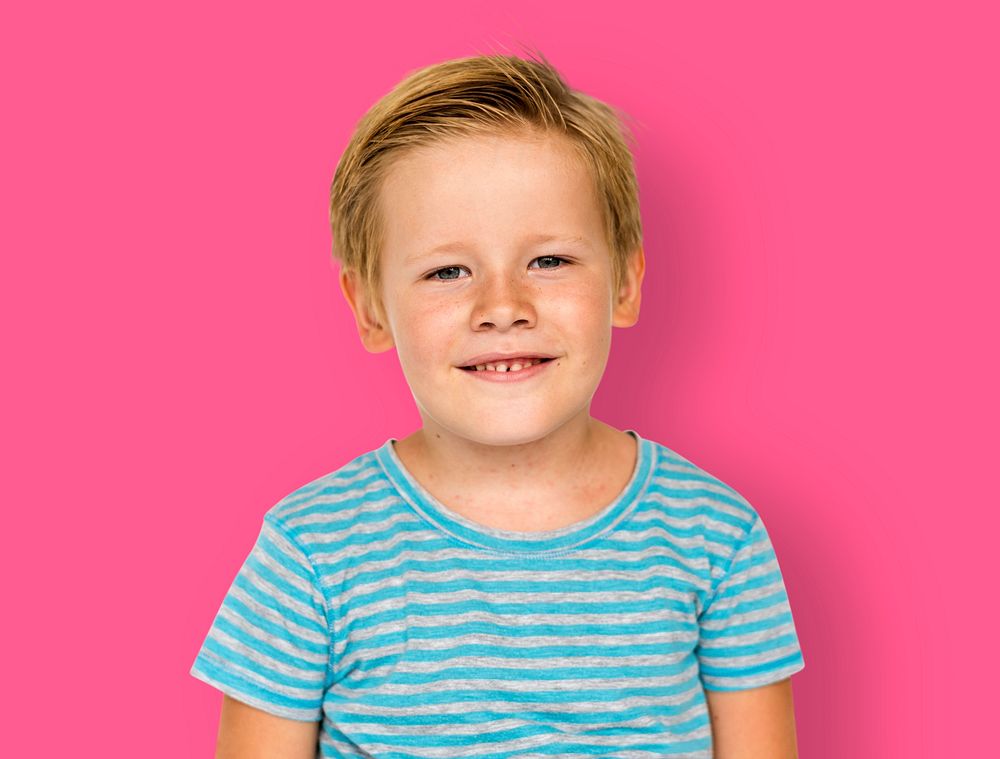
{"x": 495, "y": 244}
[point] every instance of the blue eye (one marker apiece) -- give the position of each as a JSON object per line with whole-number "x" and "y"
{"x": 434, "y": 274}
{"x": 550, "y": 258}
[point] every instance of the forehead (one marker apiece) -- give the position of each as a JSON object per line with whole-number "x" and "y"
{"x": 487, "y": 189}
{"x": 557, "y": 150}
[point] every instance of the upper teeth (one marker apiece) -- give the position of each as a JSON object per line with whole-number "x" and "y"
{"x": 503, "y": 366}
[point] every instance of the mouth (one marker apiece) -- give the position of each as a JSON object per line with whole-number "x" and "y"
{"x": 506, "y": 365}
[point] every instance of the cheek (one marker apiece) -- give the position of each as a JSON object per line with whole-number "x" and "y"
{"x": 589, "y": 309}
{"x": 425, "y": 329}
{"x": 594, "y": 324}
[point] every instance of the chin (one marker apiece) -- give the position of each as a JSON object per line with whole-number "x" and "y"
{"x": 498, "y": 438}
{"x": 513, "y": 432}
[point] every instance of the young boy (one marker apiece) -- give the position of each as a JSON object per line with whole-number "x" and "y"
{"x": 515, "y": 578}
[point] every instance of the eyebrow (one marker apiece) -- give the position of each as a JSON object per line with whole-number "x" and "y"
{"x": 460, "y": 245}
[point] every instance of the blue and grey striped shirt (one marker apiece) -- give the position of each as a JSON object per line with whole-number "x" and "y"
{"x": 412, "y": 631}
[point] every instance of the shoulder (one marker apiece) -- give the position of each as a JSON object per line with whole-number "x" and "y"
{"x": 334, "y": 497}
{"x": 719, "y": 512}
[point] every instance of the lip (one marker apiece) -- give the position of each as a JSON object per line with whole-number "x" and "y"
{"x": 508, "y": 376}
{"x": 492, "y": 358}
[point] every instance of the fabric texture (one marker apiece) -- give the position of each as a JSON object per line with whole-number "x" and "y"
{"x": 411, "y": 631}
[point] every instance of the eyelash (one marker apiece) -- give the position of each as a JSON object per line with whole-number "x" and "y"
{"x": 446, "y": 268}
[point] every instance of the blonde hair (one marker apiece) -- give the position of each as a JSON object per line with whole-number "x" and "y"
{"x": 475, "y": 95}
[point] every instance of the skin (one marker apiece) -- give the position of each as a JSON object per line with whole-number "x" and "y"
{"x": 757, "y": 723}
{"x": 249, "y": 733}
{"x": 522, "y": 456}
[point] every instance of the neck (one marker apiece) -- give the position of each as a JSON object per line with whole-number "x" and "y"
{"x": 541, "y": 484}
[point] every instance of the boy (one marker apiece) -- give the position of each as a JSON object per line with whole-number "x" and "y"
{"x": 515, "y": 578}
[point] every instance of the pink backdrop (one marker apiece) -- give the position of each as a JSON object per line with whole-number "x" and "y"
{"x": 820, "y": 196}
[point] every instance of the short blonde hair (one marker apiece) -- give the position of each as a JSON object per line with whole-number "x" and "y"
{"x": 475, "y": 95}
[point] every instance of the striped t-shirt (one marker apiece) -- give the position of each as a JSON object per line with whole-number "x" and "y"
{"x": 412, "y": 631}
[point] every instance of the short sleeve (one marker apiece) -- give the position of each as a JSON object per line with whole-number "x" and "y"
{"x": 747, "y": 637}
{"x": 269, "y": 645}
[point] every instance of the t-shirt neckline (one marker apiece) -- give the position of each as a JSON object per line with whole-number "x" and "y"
{"x": 512, "y": 541}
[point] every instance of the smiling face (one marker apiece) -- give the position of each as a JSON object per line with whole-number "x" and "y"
{"x": 495, "y": 244}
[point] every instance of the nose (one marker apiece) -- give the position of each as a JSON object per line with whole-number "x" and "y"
{"x": 504, "y": 300}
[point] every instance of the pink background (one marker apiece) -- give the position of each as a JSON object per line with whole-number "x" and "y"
{"x": 820, "y": 194}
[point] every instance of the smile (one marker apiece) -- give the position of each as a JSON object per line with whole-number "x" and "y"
{"x": 502, "y": 371}
{"x": 505, "y": 366}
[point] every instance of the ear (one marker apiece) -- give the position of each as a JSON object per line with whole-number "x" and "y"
{"x": 626, "y": 307}
{"x": 374, "y": 335}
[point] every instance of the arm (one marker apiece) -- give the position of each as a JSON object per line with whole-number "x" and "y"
{"x": 758, "y": 723}
{"x": 246, "y": 732}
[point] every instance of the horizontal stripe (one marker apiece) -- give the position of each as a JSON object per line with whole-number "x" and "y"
{"x": 410, "y": 630}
